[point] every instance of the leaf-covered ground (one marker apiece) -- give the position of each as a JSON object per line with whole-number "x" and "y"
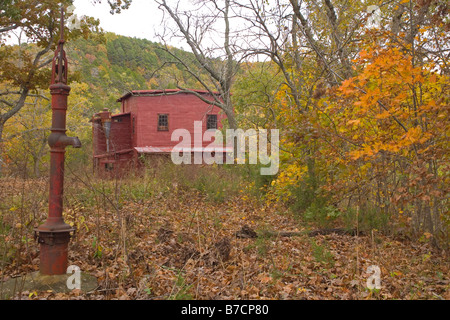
{"x": 178, "y": 243}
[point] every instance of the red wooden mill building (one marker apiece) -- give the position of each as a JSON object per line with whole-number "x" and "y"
{"x": 145, "y": 124}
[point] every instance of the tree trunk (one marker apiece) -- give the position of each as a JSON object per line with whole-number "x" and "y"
{"x": 2, "y": 124}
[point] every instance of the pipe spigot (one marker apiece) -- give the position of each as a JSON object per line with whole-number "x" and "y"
{"x": 76, "y": 143}
{"x": 61, "y": 140}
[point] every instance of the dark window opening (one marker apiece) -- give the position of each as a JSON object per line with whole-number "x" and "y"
{"x": 109, "y": 166}
{"x": 211, "y": 121}
{"x": 163, "y": 122}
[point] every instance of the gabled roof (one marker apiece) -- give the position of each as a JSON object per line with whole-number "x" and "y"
{"x": 159, "y": 92}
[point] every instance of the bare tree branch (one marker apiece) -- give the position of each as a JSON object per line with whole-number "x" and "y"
{"x": 220, "y": 70}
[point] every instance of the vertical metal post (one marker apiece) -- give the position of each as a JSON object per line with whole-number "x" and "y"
{"x": 105, "y": 117}
{"x": 54, "y": 234}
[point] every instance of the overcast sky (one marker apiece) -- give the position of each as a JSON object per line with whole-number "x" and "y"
{"x": 139, "y": 21}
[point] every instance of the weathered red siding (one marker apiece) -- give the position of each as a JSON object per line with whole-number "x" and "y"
{"x": 121, "y": 133}
{"x": 137, "y": 125}
{"x": 182, "y": 108}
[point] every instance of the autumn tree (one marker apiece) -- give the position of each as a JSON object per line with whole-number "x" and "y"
{"x": 377, "y": 138}
{"x": 24, "y": 67}
{"x": 254, "y": 93}
{"x": 117, "y": 5}
{"x": 26, "y": 136}
{"x": 25, "y": 140}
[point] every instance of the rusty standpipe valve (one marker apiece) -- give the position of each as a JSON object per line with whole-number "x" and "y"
{"x": 54, "y": 235}
{"x": 105, "y": 117}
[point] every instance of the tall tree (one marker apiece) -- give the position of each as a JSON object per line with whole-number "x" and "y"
{"x": 206, "y": 28}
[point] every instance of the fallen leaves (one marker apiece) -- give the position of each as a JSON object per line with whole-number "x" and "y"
{"x": 181, "y": 246}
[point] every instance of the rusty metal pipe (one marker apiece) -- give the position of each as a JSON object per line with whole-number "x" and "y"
{"x": 54, "y": 234}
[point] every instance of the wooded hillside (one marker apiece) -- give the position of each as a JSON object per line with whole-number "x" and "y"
{"x": 359, "y": 93}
